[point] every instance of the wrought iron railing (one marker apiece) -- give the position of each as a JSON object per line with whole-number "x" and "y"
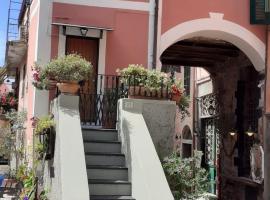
{"x": 98, "y": 103}
{"x": 208, "y": 105}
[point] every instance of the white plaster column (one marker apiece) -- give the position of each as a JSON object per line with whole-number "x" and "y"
{"x": 151, "y": 33}
{"x": 43, "y": 54}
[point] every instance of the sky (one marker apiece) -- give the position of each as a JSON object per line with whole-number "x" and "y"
{"x": 3, "y": 29}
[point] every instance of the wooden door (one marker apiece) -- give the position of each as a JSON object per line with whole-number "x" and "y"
{"x": 88, "y": 49}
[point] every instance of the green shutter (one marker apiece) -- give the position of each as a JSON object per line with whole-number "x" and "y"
{"x": 258, "y": 14}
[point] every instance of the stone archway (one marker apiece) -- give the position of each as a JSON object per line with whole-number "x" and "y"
{"x": 240, "y": 73}
{"x": 218, "y": 28}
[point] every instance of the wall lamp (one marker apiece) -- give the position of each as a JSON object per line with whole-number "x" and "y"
{"x": 84, "y": 31}
{"x": 250, "y": 132}
{"x": 233, "y": 133}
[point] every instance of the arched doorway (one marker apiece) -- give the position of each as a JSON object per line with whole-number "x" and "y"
{"x": 234, "y": 62}
{"x": 218, "y": 28}
{"x": 186, "y": 142}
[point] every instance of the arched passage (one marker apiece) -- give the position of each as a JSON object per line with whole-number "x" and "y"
{"x": 233, "y": 56}
{"x": 217, "y": 28}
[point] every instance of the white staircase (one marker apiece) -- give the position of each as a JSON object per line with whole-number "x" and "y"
{"x": 106, "y": 165}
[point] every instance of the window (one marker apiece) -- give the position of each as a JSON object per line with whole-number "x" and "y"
{"x": 187, "y": 80}
{"x": 186, "y": 142}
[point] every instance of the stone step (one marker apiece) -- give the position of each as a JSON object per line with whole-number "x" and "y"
{"x": 116, "y": 159}
{"x": 100, "y": 134}
{"x": 109, "y": 187}
{"x": 102, "y": 146}
{"x": 107, "y": 172}
{"x": 110, "y": 197}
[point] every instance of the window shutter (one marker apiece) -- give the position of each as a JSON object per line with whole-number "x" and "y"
{"x": 259, "y": 12}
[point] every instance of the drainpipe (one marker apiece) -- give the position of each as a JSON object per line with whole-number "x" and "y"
{"x": 151, "y": 34}
{"x": 154, "y": 63}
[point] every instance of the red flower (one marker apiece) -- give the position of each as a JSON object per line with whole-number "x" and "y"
{"x": 36, "y": 76}
{"x": 12, "y": 101}
{"x": 4, "y": 100}
{"x": 175, "y": 90}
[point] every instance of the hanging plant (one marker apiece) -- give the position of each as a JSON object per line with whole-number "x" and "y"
{"x": 45, "y": 133}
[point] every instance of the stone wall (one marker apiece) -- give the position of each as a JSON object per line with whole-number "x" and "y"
{"x": 225, "y": 79}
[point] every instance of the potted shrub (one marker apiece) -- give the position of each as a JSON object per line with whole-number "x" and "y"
{"x": 44, "y": 130}
{"x": 67, "y": 71}
{"x": 156, "y": 84}
{"x": 134, "y": 77}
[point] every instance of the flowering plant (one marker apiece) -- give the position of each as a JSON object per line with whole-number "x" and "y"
{"x": 38, "y": 79}
{"x": 66, "y": 68}
{"x": 133, "y": 75}
{"x": 177, "y": 88}
{"x": 155, "y": 80}
{"x": 7, "y": 102}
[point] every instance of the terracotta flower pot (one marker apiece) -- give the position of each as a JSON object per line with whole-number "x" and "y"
{"x": 68, "y": 87}
{"x": 162, "y": 94}
{"x": 136, "y": 91}
{"x": 176, "y": 97}
{"x": 52, "y": 84}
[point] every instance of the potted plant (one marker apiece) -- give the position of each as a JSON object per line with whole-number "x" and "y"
{"x": 44, "y": 130}
{"x": 156, "y": 84}
{"x": 7, "y": 102}
{"x": 67, "y": 71}
{"x": 176, "y": 90}
{"x": 133, "y": 77}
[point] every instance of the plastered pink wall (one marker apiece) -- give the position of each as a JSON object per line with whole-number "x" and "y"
{"x": 126, "y": 44}
{"x": 33, "y": 29}
{"x": 175, "y": 12}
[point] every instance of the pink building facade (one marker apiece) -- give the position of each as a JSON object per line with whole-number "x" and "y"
{"x": 130, "y": 32}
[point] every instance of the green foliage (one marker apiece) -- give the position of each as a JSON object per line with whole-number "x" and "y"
{"x": 44, "y": 124}
{"x": 12, "y": 136}
{"x": 3, "y": 72}
{"x": 28, "y": 178}
{"x": 133, "y": 75}
{"x": 40, "y": 150}
{"x": 186, "y": 178}
{"x": 43, "y": 195}
{"x": 155, "y": 80}
{"x": 17, "y": 120}
{"x": 183, "y": 106}
{"x": 8, "y": 102}
{"x": 68, "y": 68}
{"x": 6, "y": 142}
